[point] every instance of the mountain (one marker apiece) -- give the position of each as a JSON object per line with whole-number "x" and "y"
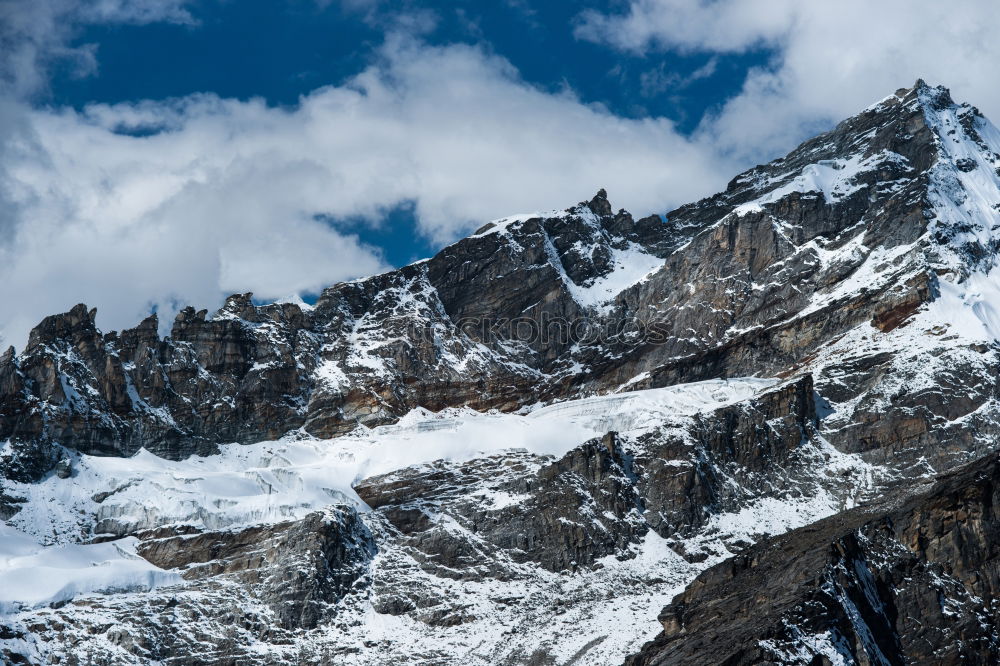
{"x": 520, "y": 450}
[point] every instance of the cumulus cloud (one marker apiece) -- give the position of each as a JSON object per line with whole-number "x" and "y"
{"x": 830, "y": 60}
{"x": 131, "y": 223}
{"x": 167, "y": 203}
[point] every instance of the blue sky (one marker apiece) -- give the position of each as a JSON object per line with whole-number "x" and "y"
{"x": 159, "y": 153}
{"x": 282, "y": 50}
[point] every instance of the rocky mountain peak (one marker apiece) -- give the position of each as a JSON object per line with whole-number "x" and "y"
{"x": 238, "y": 303}
{"x": 871, "y": 154}
{"x": 79, "y": 321}
{"x": 869, "y": 214}
{"x": 934, "y": 97}
{"x": 599, "y": 205}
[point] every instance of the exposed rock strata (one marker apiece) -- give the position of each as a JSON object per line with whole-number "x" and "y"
{"x": 906, "y": 581}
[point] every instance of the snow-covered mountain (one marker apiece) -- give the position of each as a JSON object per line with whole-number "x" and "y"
{"x": 520, "y": 450}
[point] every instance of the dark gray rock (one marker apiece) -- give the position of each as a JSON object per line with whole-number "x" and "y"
{"x": 64, "y": 468}
{"x": 909, "y": 580}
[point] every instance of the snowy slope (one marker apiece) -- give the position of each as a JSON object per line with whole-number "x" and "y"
{"x": 272, "y": 481}
{"x": 604, "y": 612}
{"x": 31, "y": 574}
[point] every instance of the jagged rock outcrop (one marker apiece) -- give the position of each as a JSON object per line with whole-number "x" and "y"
{"x": 434, "y": 334}
{"x": 903, "y": 581}
{"x": 481, "y": 520}
{"x": 731, "y": 457}
{"x": 509, "y": 522}
{"x": 562, "y": 514}
{"x": 300, "y": 569}
{"x": 260, "y": 585}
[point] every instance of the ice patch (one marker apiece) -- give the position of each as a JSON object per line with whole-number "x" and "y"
{"x": 32, "y": 574}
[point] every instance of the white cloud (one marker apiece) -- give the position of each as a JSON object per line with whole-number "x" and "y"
{"x": 689, "y": 25}
{"x": 662, "y": 78}
{"x": 225, "y": 197}
{"x": 831, "y": 58}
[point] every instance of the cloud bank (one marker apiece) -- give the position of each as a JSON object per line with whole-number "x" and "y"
{"x": 161, "y": 204}
{"x": 35, "y": 34}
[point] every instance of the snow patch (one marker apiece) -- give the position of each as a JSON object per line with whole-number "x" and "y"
{"x": 834, "y": 179}
{"x": 32, "y": 574}
{"x": 631, "y": 266}
{"x": 288, "y": 478}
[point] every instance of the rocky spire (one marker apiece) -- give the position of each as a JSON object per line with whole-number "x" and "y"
{"x": 599, "y": 205}
{"x": 79, "y": 320}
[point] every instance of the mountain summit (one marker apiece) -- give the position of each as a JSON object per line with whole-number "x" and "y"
{"x": 521, "y": 449}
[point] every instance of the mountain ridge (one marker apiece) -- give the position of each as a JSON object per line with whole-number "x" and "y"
{"x": 852, "y": 278}
{"x": 532, "y": 285}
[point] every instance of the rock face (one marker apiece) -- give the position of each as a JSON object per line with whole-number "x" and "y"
{"x": 461, "y": 547}
{"x": 592, "y": 481}
{"x": 900, "y": 582}
{"x": 254, "y": 586}
{"x": 855, "y": 278}
{"x": 435, "y": 334}
{"x": 301, "y": 568}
